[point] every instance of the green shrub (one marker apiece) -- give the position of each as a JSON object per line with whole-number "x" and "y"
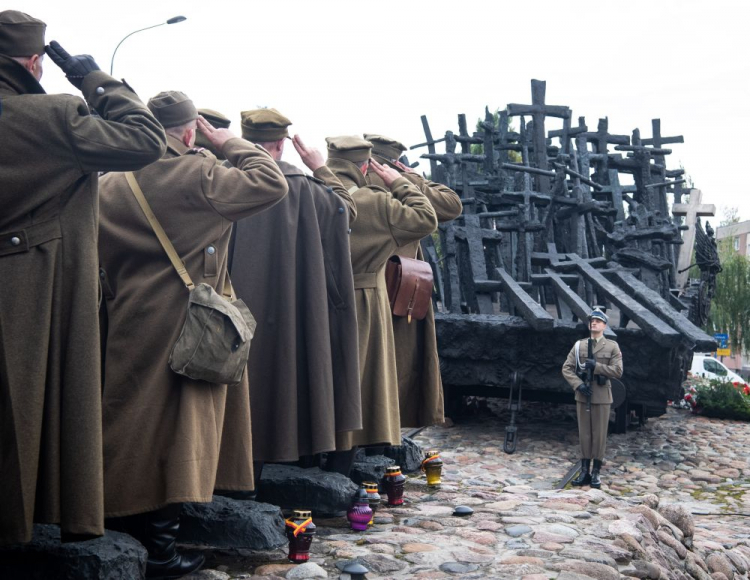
{"x": 723, "y": 400}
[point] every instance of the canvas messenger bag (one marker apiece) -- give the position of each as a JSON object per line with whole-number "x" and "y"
{"x": 214, "y": 343}
{"x": 409, "y": 285}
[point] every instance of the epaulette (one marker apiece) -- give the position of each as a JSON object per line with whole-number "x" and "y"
{"x": 199, "y": 151}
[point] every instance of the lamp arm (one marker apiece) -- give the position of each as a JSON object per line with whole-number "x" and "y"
{"x": 112, "y": 62}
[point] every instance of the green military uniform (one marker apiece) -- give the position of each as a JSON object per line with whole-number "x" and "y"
{"x": 386, "y": 221}
{"x": 419, "y": 385}
{"x": 164, "y": 436}
{"x": 291, "y": 265}
{"x": 50, "y": 381}
{"x": 593, "y": 423}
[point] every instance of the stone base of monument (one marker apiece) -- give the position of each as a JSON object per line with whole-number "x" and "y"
{"x": 324, "y": 493}
{"x": 114, "y": 556}
{"x": 408, "y": 455}
{"x": 232, "y": 523}
{"x": 369, "y": 467}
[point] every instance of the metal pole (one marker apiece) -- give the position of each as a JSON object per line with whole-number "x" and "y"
{"x": 173, "y": 20}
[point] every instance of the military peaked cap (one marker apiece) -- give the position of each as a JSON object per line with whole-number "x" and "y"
{"x": 596, "y": 313}
{"x": 385, "y": 146}
{"x": 215, "y": 118}
{"x": 351, "y": 148}
{"x": 21, "y": 34}
{"x": 172, "y": 109}
{"x": 264, "y": 125}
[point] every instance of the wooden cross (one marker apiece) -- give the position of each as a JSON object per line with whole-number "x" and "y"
{"x": 614, "y": 192}
{"x": 538, "y": 111}
{"x": 567, "y": 133}
{"x": 690, "y": 211}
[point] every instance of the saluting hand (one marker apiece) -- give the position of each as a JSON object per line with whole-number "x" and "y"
{"x": 217, "y": 137}
{"x": 74, "y": 67}
{"x": 387, "y": 174}
{"x": 403, "y": 167}
{"x": 310, "y": 156}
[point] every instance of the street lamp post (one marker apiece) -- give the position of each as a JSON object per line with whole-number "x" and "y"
{"x": 173, "y": 20}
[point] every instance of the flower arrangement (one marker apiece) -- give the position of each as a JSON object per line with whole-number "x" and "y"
{"x": 716, "y": 398}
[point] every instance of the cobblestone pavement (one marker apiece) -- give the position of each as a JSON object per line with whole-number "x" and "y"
{"x": 670, "y": 507}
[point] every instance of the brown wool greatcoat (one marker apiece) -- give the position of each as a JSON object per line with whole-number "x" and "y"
{"x": 420, "y": 387}
{"x": 163, "y": 431}
{"x": 593, "y": 424}
{"x": 50, "y": 383}
{"x": 385, "y": 222}
{"x": 291, "y": 266}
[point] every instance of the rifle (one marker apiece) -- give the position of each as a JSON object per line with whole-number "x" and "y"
{"x": 589, "y": 372}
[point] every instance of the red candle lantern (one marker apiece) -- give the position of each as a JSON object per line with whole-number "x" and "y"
{"x": 300, "y": 530}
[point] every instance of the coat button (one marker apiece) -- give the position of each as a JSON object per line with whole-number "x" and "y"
{"x": 99, "y": 90}
{"x": 329, "y": 189}
{"x": 349, "y": 231}
{"x": 15, "y": 241}
{"x": 211, "y": 250}
{"x": 341, "y": 210}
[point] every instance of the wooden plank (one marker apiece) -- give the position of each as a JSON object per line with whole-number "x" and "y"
{"x": 701, "y": 341}
{"x": 653, "y": 326}
{"x": 532, "y": 312}
{"x": 574, "y": 301}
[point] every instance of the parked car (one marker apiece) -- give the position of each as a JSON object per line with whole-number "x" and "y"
{"x": 707, "y": 366}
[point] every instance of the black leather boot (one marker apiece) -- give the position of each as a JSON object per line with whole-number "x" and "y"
{"x": 583, "y": 476}
{"x": 341, "y": 461}
{"x": 595, "y": 481}
{"x": 160, "y": 529}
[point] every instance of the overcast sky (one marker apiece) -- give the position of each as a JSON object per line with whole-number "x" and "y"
{"x": 345, "y": 67}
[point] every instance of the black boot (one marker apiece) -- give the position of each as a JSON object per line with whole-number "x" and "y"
{"x": 341, "y": 461}
{"x": 160, "y": 529}
{"x": 583, "y": 476}
{"x": 595, "y": 481}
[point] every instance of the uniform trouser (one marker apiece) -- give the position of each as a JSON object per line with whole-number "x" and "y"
{"x": 592, "y": 429}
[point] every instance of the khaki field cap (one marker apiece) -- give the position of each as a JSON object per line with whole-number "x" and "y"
{"x": 264, "y": 125}
{"x": 172, "y": 109}
{"x": 215, "y": 118}
{"x": 21, "y": 34}
{"x": 351, "y": 148}
{"x": 385, "y": 146}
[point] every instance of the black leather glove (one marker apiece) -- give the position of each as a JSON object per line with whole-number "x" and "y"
{"x": 74, "y": 67}
{"x": 585, "y": 390}
{"x": 590, "y": 364}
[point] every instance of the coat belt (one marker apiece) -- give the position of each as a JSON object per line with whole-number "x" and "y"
{"x": 25, "y": 239}
{"x": 367, "y": 280}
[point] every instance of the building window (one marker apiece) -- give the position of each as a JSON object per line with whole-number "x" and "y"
{"x": 736, "y": 243}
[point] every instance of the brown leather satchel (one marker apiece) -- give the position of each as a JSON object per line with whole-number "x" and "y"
{"x": 409, "y": 285}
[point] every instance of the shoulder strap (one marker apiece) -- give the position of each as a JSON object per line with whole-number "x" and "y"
{"x": 353, "y": 188}
{"x": 159, "y": 231}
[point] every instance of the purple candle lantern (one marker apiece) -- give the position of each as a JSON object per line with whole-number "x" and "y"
{"x": 394, "y": 485}
{"x": 360, "y": 514}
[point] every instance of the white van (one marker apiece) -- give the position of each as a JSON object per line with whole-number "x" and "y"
{"x": 706, "y": 366}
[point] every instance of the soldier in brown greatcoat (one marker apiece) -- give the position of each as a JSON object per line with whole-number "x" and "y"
{"x": 162, "y": 431}
{"x": 419, "y": 385}
{"x": 291, "y": 265}
{"x": 387, "y": 219}
{"x": 606, "y": 363}
{"x": 50, "y": 382}
{"x": 218, "y": 121}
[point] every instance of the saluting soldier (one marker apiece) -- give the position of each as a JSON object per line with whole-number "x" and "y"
{"x": 388, "y": 218}
{"x": 163, "y": 432}
{"x": 606, "y": 362}
{"x": 419, "y": 384}
{"x": 291, "y": 265}
{"x": 50, "y": 379}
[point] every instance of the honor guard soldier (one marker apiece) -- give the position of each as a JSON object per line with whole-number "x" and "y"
{"x": 388, "y": 218}
{"x": 291, "y": 265}
{"x": 164, "y": 436}
{"x": 52, "y": 151}
{"x": 420, "y": 388}
{"x": 593, "y": 398}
